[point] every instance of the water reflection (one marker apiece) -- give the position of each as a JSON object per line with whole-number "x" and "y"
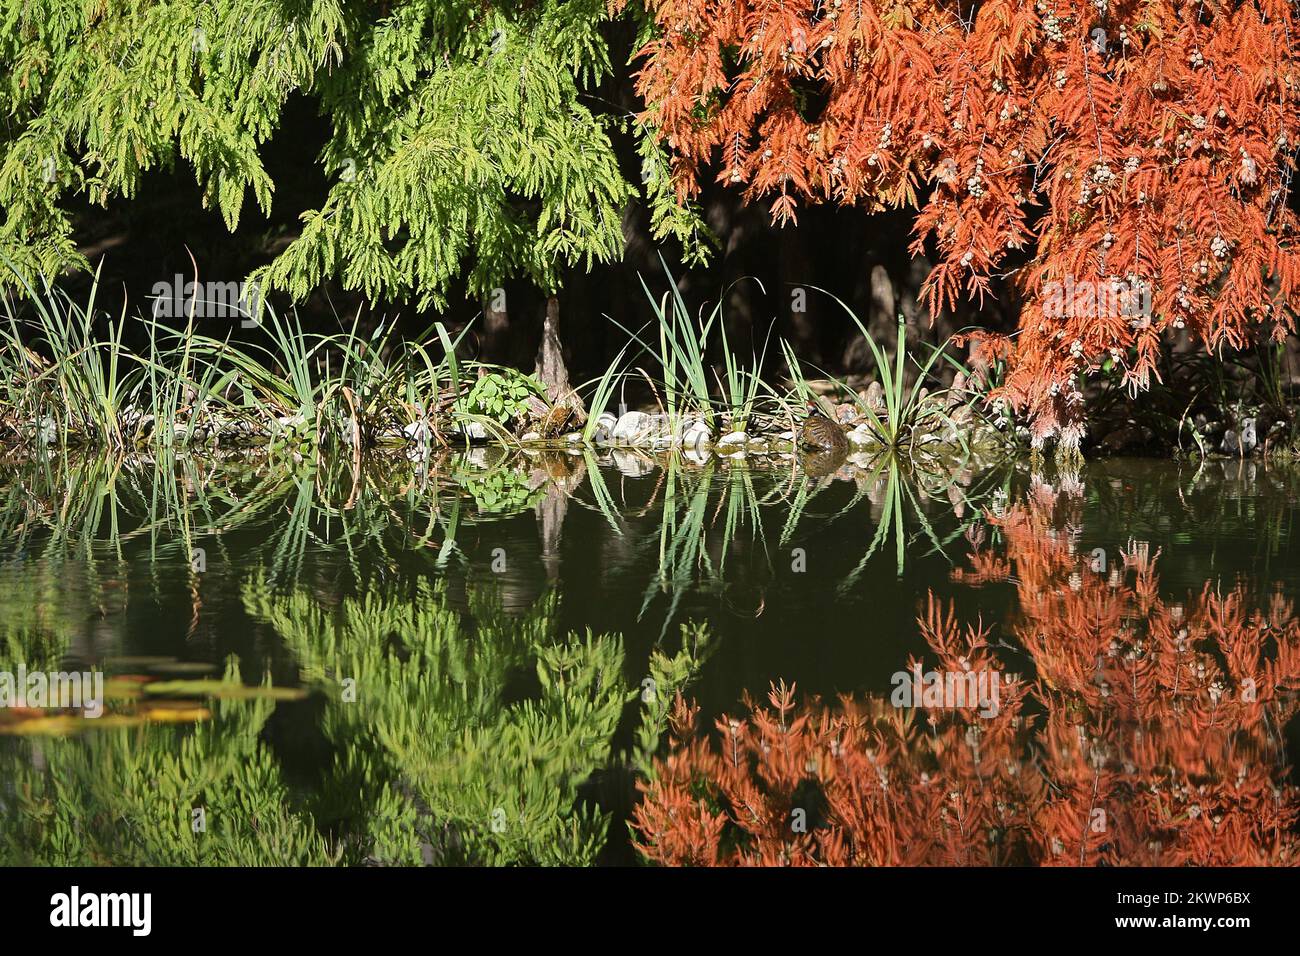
{"x": 1131, "y": 730}
{"x": 473, "y": 658}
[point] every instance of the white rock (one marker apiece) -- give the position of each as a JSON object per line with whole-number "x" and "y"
{"x": 47, "y": 431}
{"x": 604, "y": 430}
{"x": 472, "y": 430}
{"x": 733, "y": 440}
{"x": 862, "y": 435}
{"x": 1240, "y": 444}
{"x": 416, "y": 431}
{"x": 681, "y": 424}
{"x": 632, "y": 428}
{"x": 573, "y": 438}
{"x": 134, "y": 418}
{"x": 696, "y": 435}
{"x": 531, "y": 436}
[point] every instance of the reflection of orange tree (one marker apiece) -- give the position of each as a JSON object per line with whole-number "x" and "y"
{"x": 1150, "y": 735}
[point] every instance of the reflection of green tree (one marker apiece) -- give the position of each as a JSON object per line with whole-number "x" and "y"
{"x": 43, "y": 607}
{"x": 126, "y": 796}
{"x": 490, "y": 724}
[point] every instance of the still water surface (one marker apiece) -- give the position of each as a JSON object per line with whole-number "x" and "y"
{"x": 455, "y": 661}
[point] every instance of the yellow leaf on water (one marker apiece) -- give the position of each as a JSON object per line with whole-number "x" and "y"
{"x": 189, "y": 713}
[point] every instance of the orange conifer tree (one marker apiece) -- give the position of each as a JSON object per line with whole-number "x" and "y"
{"x": 1127, "y": 162}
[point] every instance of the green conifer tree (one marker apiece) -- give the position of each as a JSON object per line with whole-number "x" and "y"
{"x": 464, "y": 139}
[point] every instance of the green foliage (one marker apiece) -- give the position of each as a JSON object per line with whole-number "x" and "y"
{"x": 436, "y": 749}
{"x": 668, "y": 674}
{"x": 458, "y": 714}
{"x": 43, "y": 607}
{"x": 86, "y": 382}
{"x": 905, "y": 408}
{"x": 462, "y": 137}
{"x": 502, "y": 395}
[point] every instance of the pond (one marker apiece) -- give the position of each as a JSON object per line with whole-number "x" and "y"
{"x": 474, "y": 659}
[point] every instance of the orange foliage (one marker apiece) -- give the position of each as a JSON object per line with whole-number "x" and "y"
{"x": 1145, "y": 147}
{"x": 1149, "y": 734}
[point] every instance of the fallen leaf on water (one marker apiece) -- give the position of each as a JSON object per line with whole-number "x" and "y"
{"x": 174, "y": 712}
{"x": 223, "y": 689}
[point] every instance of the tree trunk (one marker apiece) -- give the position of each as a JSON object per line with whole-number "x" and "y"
{"x": 496, "y": 327}
{"x": 551, "y": 370}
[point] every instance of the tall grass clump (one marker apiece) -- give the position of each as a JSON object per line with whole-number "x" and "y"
{"x": 66, "y": 381}
{"x": 71, "y": 377}
{"x": 906, "y": 408}
{"x": 692, "y": 384}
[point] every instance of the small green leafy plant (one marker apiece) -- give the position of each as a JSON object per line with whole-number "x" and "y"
{"x": 501, "y": 395}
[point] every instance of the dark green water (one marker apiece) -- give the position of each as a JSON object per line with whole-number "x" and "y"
{"x": 460, "y": 748}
